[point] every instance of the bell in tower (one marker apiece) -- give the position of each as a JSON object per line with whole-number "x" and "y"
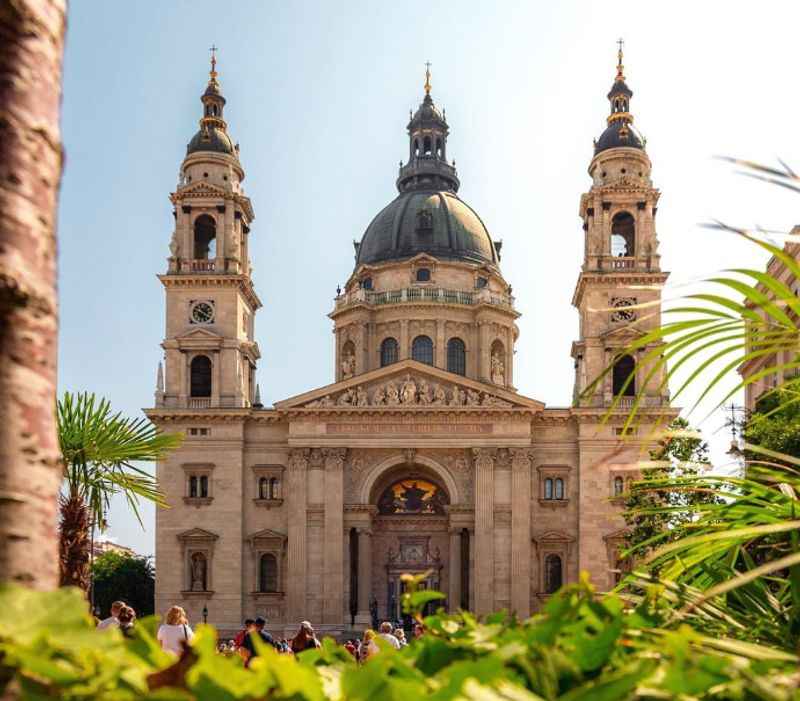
{"x": 210, "y": 354}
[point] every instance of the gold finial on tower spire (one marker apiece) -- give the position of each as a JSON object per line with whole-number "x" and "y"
{"x": 213, "y": 73}
{"x": 427, "y": 77}
{"x": 620, "y": 68}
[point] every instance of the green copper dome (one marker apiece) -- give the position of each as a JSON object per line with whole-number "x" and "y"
{"x": 434, "y": 221}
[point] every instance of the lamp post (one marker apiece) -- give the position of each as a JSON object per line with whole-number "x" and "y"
{"x": 205, "y": 614}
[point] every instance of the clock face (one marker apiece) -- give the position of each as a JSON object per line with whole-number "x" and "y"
{"x": 202, "y": 312}
{"x": 622, "y": 309}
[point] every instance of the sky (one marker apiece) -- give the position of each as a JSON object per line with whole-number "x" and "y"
{"x": 318, "y": 98}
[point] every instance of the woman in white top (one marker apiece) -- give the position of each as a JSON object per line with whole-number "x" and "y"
{"x": 175, "y": 631}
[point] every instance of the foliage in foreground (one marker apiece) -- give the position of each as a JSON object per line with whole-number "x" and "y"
{"x": 99, "y": 449}
{"x": 130, "y": 578}
{"x": 580, "y": 647}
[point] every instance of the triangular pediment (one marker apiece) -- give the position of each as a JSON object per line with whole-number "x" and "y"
{"x": 202, "y": 189}
{"x": 197, "y": 534}
{"x": 267, "y": 534}
{"x": 199, "y": 339}
{"x": 410, "y": 385}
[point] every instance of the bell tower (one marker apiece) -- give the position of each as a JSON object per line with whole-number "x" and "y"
{"x": 621, "y": 269}
{"x": 209, "y": 349}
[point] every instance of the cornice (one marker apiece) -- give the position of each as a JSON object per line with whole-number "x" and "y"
{"x": 243, "y": 282}
{"x": 628, "y": 277}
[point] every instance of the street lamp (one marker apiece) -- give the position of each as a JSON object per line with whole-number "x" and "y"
{"x": 205, "y": 614}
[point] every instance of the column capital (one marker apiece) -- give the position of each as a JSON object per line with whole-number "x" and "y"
{"x": 521, "y": 456}
{"x": 364, "y": 530}
{"x": 484, "y": 454}
{"x": 334, "y": 458}
{"x": 298, "y": 458}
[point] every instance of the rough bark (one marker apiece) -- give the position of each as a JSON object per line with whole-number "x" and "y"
{"x": 75, "y": 543}
{"x": 31, "y": 49}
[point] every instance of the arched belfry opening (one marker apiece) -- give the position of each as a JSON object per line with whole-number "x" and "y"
{"x": 623, "y": 235}
{"x": 623, "y": 371}
{"x": 205, "y": 237}
{"x": 200, "y": 376}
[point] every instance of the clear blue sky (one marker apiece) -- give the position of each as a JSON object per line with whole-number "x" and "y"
{"x": 318, "y": 97}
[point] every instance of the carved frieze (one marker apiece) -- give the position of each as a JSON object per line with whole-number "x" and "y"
{"x": 410, "y": 391}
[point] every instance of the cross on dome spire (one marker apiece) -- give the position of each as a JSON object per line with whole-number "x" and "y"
{"x": 620, "y": 68}
{"x": 213, "y": 72}
{"x": 427, "y": 77}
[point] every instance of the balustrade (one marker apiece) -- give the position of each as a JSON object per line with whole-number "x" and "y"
{"x": 436, "y": 295}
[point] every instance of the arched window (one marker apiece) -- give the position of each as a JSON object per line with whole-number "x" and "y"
{"x": 388, "y": 352}
{"x": 426, "y": 146}
{"x": 274, "y": 488}
{"x": 422, "y": 350}
{"x": 200, "y": 376}
{"x": 456, "y": 356}
{"x": 559, "y": 488}
{"x": 193, "y": 487}
{"x": 438, "y": 148}
{"x": 263, "y": 488}
{"x": 548, "y": 488}
{"x": 268, "y": 573}
{"x": 553, "y": 577}
{"x": 619, "y": 486}
{"x": 204, "y": 486}
{"x": 623, "y": 369}
{"x": 623, "y": 235}
{"x": 205, "y": 237}
{"x": 423, "y": 275}
{"x": 416, "y": 147}
{"x": 366, "y": 283}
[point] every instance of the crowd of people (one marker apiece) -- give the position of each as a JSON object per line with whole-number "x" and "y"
{"x": 175, "y": 633}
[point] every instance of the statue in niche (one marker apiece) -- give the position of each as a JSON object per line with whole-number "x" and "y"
{"x": 424, "y": 392}
{"x": 392, "y": 394}
{"x": 408, "y": 391}
{"x": 498, "y": 369}
{"x": 379, "y": 398}
{"x": 347, "y": 398}
{"x": 348, "y": 361}
{"x": 458, "y": 398}
{"x": 439, "y": 396}
{"x": 199, "y": 569}
{"x": 473, "y": 398}
{"x": 327, "y": 400}
{"x": 361, "y": 396}
{"x": 173, "y": 244}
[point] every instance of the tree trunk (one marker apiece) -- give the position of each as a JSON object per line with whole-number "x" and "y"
{"x": 75, "y": 548}
{"x": 31, "y": 48}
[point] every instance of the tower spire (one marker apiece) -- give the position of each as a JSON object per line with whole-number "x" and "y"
{"x": 620, "y": 68}
{"x": 427, "y": 77}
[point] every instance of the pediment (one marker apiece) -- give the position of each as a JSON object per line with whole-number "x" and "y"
{"x": 409, "y": 385}
{"x": 545, "y": 537}
{"x": 199, "y": 338}
{"x": 197, "y": 534}
{"x": 267, "y": 534}
{"x": 203, "y": 189}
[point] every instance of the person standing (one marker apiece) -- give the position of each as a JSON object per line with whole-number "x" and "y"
{"x": 126, "y": 618}
{"x": 369, "y": 647}
{"x": 249, "y": 647}
{"x": 175, "y": 632}
{"x": 400, "y": 634}
{"x": 305, "y": 639}
{"x": 112, "y": 621}
{"x": 386, "y": 634}
{"x": 238, "y": 640}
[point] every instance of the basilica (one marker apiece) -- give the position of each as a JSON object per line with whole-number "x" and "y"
{"x": 421, "y": 455}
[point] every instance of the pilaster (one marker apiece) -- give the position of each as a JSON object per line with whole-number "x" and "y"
{"x": 296, "y": 507}
{"x": 484, "y": 459}
{"x": 521, "y": 469}
{"x": 333, "y": 568}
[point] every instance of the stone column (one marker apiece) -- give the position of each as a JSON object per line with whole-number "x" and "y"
{"x": 454, "y": 590}
{"x": 484, "y": 363}
{"x": 440, "y": 356}
{"x": 183, "y": 371}
{"x": 333, "y": 568}
{"x": 296, "y": 541}
{"x": 363, "y": 617}
{"x": 216, "y": 388}
{"x": 362, "y": 362}
{"x": 225, "y": 244}
{"x": 521, "y": 531}
{"x": 405, "y": 351}
{"x": 510, "y": 358}
{"x": 484, "y": 529}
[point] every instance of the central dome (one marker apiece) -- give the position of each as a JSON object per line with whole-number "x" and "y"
{"x": 435, "y": 222}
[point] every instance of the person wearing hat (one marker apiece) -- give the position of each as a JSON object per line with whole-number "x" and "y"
{"x": 249, "y": 647}
{"x": 305, "y": 639}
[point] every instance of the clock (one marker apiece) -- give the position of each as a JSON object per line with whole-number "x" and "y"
{"x": 202, "y": 313}
{"x": 622, "y": 309}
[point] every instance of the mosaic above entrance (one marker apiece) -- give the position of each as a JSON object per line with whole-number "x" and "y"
{"x": 413, "y": 496}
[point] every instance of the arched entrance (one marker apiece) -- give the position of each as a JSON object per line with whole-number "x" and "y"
{"x": 410, "y": 535}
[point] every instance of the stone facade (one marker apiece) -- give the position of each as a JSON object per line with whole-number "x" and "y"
{"x": 421, "y": 456}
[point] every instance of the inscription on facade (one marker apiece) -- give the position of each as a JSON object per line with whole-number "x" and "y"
{"x": 373, "y": 428}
